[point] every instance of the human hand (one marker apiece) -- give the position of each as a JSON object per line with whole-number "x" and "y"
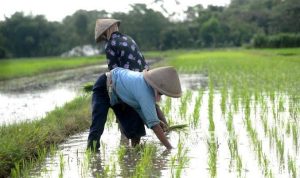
{"x": 164, "y": 126}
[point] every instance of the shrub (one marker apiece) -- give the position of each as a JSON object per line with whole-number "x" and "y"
{"x": 281, "y": 40}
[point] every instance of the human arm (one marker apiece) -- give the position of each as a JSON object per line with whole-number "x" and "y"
{"x": 149, "y": 113}
{"x": 161, "y": 136}
{"x": 162, "y": 118}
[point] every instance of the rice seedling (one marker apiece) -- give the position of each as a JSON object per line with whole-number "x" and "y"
{"x": 292, "y": 167}
{"x": 145, "y": 164}
{"x": 184, "y": 101}
{"x": 61, "y": 165}
{"x": 295, "y": 135}
{"x": 121, "y": 152}
{"x": 224, "y": 95}
{"x": 197, "y": 107}
{"x": 179, "y": 160}
{"x": 167, "y": 105}
{"x": 212, "y": 143}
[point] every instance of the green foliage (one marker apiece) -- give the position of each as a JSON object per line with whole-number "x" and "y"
{"x": 282, "y": 40}
{"x": 214, "y": 26}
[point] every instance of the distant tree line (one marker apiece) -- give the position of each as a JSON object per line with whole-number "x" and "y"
{"x": 250, "y": 22}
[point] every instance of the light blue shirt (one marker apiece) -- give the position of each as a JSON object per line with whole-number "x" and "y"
{"x": 132, "y": 89}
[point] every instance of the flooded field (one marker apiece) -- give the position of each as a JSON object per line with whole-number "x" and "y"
{"x": 242, "y": 121}
{"x": 227, "y": 136}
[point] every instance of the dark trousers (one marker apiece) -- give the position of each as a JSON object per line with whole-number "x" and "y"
{"x": 130, "y": 122}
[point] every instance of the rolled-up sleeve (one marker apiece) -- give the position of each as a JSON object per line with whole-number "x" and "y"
{"x": 148, "y": 110}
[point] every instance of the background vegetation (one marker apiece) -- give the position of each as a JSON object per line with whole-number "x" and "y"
{"x": 242, "y": 22}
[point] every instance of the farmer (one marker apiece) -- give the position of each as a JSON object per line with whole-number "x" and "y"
{"x": 141, "y": 90}
{"x": 121, "y": 51}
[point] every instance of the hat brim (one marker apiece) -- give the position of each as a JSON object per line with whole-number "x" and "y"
{"x": 154, "y": 86}
{"x": 118, "y": 22}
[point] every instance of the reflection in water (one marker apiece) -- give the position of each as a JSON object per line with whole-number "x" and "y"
{"x": 30, "y": 106}
{"x": 195, "y": 139}
{"x": 26, "y": 106}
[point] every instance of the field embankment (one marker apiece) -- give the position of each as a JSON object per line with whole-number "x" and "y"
{"x": 24, "y": 141}
{"x": 14, "y": 68}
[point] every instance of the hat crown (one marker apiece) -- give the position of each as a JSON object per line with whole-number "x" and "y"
{"x": 102, "y": 25}
{"x": 165, "y": 80}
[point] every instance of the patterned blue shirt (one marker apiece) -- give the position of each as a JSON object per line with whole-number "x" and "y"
{"x": 122, "y": 51}
{"x": 132, "y": 89}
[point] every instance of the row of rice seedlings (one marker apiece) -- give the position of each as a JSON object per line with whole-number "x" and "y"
{"x": 22, "y": 169}
{"x": 262, "y": 158}
{"x": 292, "y": 168}
{"x": 277, "y": 141}
{"x": 272, "y": 133}
{"x": 212, "y": 143}
{"x": 184, "y": 102}
{"x": 85, "y": 164}
{"x": 197, "y": 107}
{"x": 167, "y": 106}
{"x": 279, "y": 145}
{"x": 61, "y": 165}
{"x": 145, "y": 164}
{"x": 179, "y": 161}
{"x": 110, "y": 168}
{"x": 233, "y": 146}
{"x": 235, "y": 98}
{"x": 224, "y": 96}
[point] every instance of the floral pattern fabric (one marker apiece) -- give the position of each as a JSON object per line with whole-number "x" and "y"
{"x": 122, "y": 51}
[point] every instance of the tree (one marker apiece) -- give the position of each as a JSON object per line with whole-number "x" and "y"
{"x": 210, "y": 31}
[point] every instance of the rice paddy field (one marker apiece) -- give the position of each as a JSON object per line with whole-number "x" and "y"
{"x": 241, "y": 109}
{"x": 14, "y": 68}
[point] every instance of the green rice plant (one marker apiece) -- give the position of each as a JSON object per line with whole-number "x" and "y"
{"x": 235, "y": 98}
{"x": 16, "y": 171}
{"x": 179, "y": 161}
{"x": 103, "y": 149}
{"x": 281, "y": 107}
{"x": 210, "y": 107}
{"x": 145, "y": 164}
{"x": 184, "y": 101}
{"x": 61, "y": 165}
{"x": 288, "y": 128}
{"x": 224, "y": 95}
{"x": 121, "y": 152}
{"x": 211, "y": 142}
{"x": 212, "y": 156}
{"x": 292, "y": 168}
{"x": 239, "y": 165}
{"x": 196, "y": 112}
{"x": 280, "y": 150}
{"x": 167, "y": 105}
{"x": 295, "y": 135}
{"x": 23, "y": 167}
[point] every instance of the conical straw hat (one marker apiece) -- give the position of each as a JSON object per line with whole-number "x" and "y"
{"x": 102, "y": 25}
{"x": 165, "y": 80}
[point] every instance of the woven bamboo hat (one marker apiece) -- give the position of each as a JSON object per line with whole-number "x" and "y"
{"x": 102, "y": 25}
{"x": 165, "y": 80}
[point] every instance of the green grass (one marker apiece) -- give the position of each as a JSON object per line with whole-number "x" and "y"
{"x": 21, "y": 142}
{"x": 14, "y": 68}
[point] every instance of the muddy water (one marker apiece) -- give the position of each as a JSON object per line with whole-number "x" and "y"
{"x": 30, "y": 98}
{"x": 71, "y": 160}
